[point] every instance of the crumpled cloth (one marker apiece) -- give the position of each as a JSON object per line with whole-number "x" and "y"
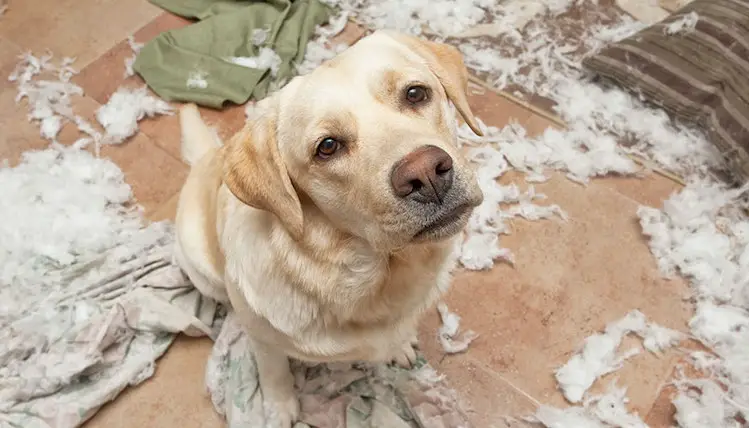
{"x": 121, "y": 311}
{"x": 191, "y": 64}
{"x": 331, "y": 395}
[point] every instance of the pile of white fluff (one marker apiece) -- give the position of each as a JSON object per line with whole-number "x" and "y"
{"x": 64, "y": 205}
{"x": 702, "y": 234}
{"x": 49, "y": 94}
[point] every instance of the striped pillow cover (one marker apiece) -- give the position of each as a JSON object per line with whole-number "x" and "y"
{"x": 700, "y": 75}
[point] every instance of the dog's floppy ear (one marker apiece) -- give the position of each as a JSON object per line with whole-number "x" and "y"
{"x": 446, "y": 62}
{"x": 255, "y": 173}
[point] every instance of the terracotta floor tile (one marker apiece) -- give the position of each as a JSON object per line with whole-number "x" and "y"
{"x": 569, "y": 280}
{"x": 167, "y": 210}
{"x": 18, "y": 135}
{"x": 84, "y": 29}
{"x": 537, "y": 125}
{"x": 153, "y": 174}
{"x": 165, "y": 131}
{"x": 662, "y": 413}
{"x": 650, "y": 190}
{"x": 9, "y": 53}
{"x": 489, "y": 400}
{"x": 174, "y": 397}
{"x": 350, "y": 34}
{"x": 494, "y": 109}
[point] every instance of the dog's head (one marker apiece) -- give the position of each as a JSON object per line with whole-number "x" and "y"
{"x": 369, "y": 140}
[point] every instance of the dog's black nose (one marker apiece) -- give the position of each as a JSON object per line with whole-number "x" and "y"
{"x": 424, "y": 175}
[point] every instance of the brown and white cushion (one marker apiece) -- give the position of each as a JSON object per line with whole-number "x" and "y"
{"x": 700, "y": 75}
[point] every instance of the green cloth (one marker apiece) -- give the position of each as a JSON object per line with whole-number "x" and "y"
{"x": 225, "y": 30}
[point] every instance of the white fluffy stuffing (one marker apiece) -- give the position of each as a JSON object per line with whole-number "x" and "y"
{"x": 603, "y": 411}
{"x": 599, "y": 357}
{"x": 196, "y": 80}
{"x": 451, "y": 340}
{"x": 259, "y": 36}
{"x": 320, "y": 48}
{"x": 49, "y": 101}
{"x": 120, "y": 115}
{"x": 683, "y": 25}
{"x": 267, "y": 59}
{"x": 701, "y": 234}
{"x": 129, "y": 61}
{"x": 68, "y": 206}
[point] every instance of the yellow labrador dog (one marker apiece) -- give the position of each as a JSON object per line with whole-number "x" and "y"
{"x": 328, "y": 222}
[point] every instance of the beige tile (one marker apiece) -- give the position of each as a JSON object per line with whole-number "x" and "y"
{"x": 174, "y": 397}
{"x": 83, "y": 29}
{"x": 569, "y": 280}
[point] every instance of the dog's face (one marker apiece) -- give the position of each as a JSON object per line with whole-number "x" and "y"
{"x": 369, "y": 140}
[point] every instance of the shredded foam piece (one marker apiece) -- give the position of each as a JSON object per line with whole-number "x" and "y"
{"x": 267, "y": 59}
{"x": 452, "y": 342}
{"x": 196, "y": 80}
{"x": 683, "y": 25}
{"x": 120, "y": 115}
{"x": 135, "y": 47}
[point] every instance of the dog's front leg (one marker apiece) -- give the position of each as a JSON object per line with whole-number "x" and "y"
{"x": 280, "y": 401}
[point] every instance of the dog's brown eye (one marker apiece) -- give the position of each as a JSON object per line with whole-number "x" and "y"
{"x": 416, "y": 94}
{"x": 328, "y": 147}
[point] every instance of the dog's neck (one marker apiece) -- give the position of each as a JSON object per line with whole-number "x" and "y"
{"x": 370, "y": 284}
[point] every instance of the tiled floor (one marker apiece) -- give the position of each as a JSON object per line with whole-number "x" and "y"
{"x": 569, "y": 280}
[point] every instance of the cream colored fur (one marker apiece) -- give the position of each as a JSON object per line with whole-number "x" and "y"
{"x": 318, "y": 258}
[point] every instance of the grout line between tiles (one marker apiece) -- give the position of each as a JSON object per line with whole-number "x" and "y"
{"x": 501, "y": 378}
